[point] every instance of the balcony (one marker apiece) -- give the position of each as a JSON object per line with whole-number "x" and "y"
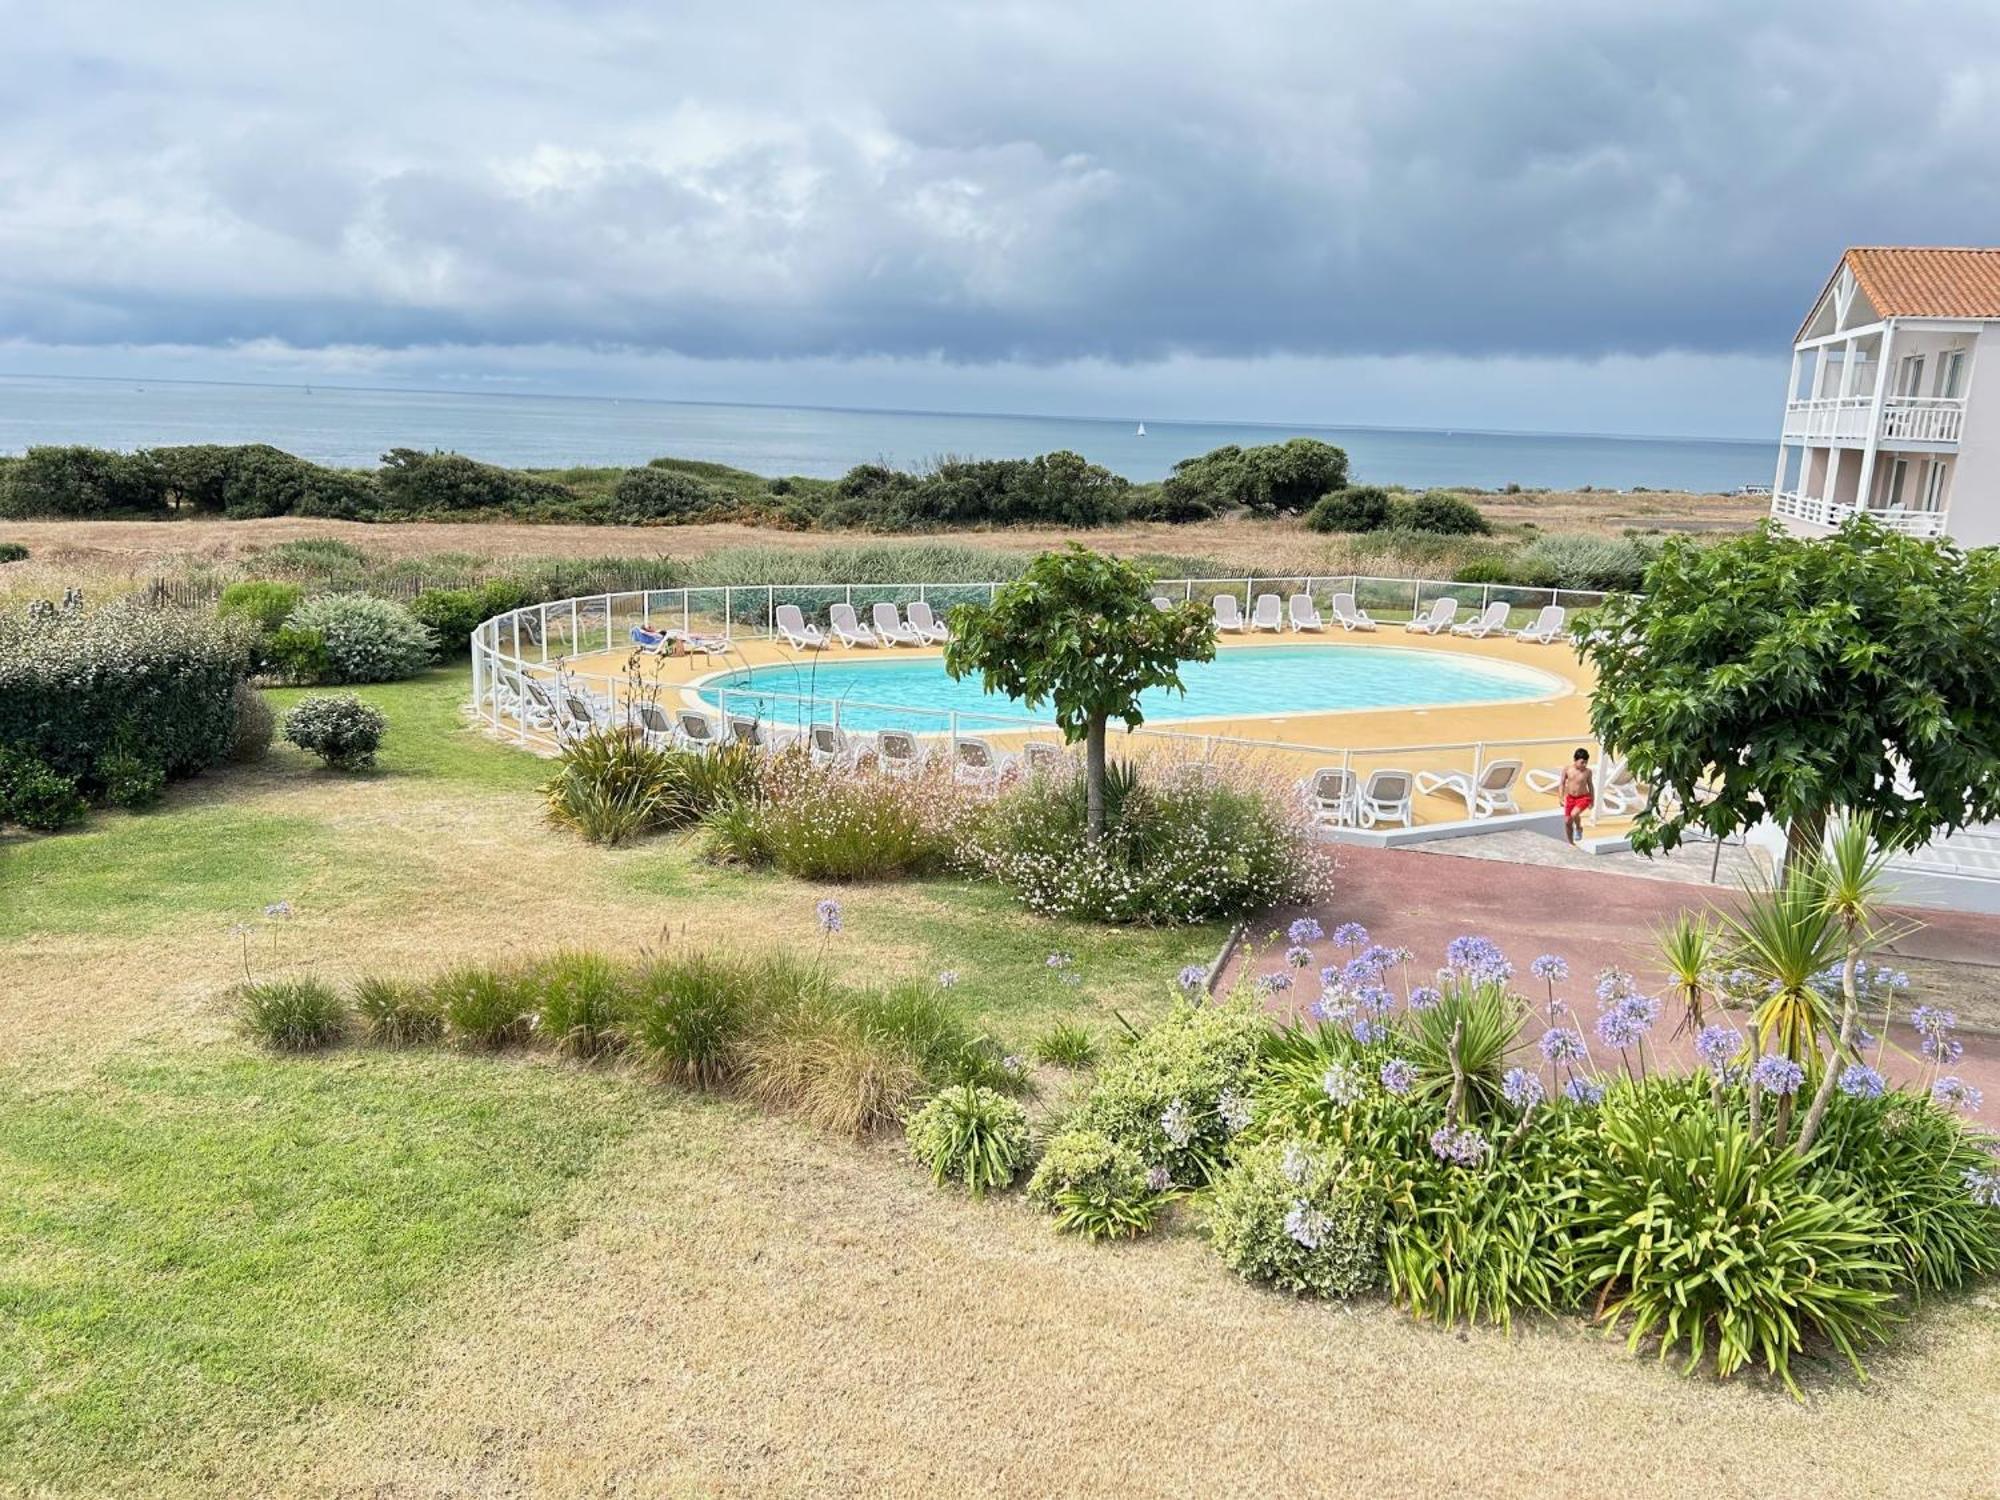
{"x": 1905, "y": 419}
{"x": 1790, "y": 505}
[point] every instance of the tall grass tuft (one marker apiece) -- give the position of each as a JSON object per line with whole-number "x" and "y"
{"x": 581, "y": 1000}
{"x": 485, "y": 1007}
{"x": 398, "y": 1014}
{"x": 612, "y": 787}
{"x": 1066, "y": 1045}
{"x": 293, "y": 1015}
{"x": 689, "y": 1014}
{"x": 818, "y": 1060}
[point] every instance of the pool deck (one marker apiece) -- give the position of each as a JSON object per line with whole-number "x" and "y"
{"x": 1293, "y": 744}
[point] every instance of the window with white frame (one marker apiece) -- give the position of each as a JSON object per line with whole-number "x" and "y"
{"x": 1934, "y": 475}
{"x": 1893, "y": 482}
{"x": 1951, "y": 373}
{"x": 1910, "y": 375}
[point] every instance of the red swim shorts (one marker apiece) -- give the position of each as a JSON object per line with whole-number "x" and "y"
{"x": 1576, "y": 807}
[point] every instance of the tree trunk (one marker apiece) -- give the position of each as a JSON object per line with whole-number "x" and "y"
{"x": 1093, "y": 780}
{"x": 1803, "y": 841}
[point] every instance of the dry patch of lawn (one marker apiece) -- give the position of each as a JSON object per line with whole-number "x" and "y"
{"x": 749, "y": 1309}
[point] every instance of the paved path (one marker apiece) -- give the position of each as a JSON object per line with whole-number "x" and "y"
{"x": 1422, "y": 897}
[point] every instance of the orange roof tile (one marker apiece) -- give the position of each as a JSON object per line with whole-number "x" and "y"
{"x": 1913, "y": 281}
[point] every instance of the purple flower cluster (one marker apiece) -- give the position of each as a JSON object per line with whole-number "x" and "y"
{"x": 1778, "y": 1074}
{"x": 947, "y": 979}
{"x": 1296, "y": 1164}
{"x": 1192, "y": 978}
{"x": 1626, "y": 1019}
{"x": 1477, "y": 958}
{"x": 1305, "y": 930}
{"x": 1234, "y": 1111}
{"x": 1955, "y": 1093}
{"x": 829, "y": 915}
{"x": 1059, "y": 961}
{"x": 1563, "y": 1044}
{"x": 1983, "y": 1186}
{"x": 1941, "y": 1047}
{"x": 1859, "y": 1081}
{"x": 1350, "y": 935}
{"x": 1550, "y": 967}
{"x": 1462, "y": 1146}
{"x": 1717, "y": 1046}
{"x": 1424, "y": 996}
{"x": 1521, "y": 1088}
{"x": 1159, "y": 1180}
{"x": 1298, "y": 956}
{"x": 1273, "y": 983}
{"x": 1399, "y": 1075}
{"x": 1584, "y": 1091}
{"x": 1367, "y": 1030}
{"x": 1930, "y": 1020}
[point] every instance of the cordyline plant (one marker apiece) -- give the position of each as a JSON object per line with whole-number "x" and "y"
{"x": 1769, "y": 676}
{"x": 1080, "y": 630}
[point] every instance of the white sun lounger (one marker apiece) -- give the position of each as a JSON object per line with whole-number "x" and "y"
{"x": 976, "y": 763}
{"x": 846, "y": 628}
{"x": 890, "y": 629}
{"x": 898, "y": 753}
{"x": 1039, "y": 756}
{"x": 1619, "y": 792}
{"x": 1385, "y": 798}
{"x": 1331, "y": 794}
{"x": 1305, "y": 613}
{"x": 1492, "y": 621}
{"x": 747, "y": 730}
{"x": 1438, "y": 621}
{"x": 1162, "y": 602}
{"x": 1348, "y": 616}
{"x": 1492, "y": 793}
{"x": 698, "y": 731}
{"x": 792, "y": 626}
{"x": 654, "y": 725}
{"x": 1269, "y": 613}
{"x": 829, "y": 744}
{"x": 1548, "y": 626}
{"x": 929, "y": 628}
{"x": 1228, "y": 615}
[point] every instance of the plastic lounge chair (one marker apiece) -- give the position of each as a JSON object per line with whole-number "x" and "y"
{"x": 576, "y": 719}
{"x": 929, "y": 628}
{"x": 846, "y": 628}
{"x": 654, "y": 725}
{"x": 652, "y": 642}
{"x": 1039, "y": 756}
{"x": 1385, "y": 798}
{"x": 1348, "y": 616}
{"x": 1162, "y": 602}
{"x": 1492, "y": 621}
{"x": 748, "y": 730}
{"x": 697, "y": 730}
{"x": 1488, "y": 795}
{"x": 1438, "y": 621}
{"x": 1305, "y": 613}
{"x": 976, "y": 763}
{"x": 791, "y": 622}
{"x": 536, "y": 705}
{"x": 1227, "y": 615}
{"x": 1547, "y": 628}
{"x": 899, "y": 753}
{"x": 1268, "y": 615}
{"x": 890, "y": 629}
{"x": 829, "y": 744}
{"x": 1332, "y": 796}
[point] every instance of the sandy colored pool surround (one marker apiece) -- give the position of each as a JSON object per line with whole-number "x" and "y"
{"x": 1296, "y": 743}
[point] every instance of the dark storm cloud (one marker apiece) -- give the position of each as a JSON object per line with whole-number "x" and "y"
{"x": 1020, "y": 182}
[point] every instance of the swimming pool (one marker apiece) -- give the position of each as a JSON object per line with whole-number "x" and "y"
{"x": 910, "y": 692}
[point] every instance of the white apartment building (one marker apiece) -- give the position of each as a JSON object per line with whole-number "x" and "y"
{"x": 1884, "y": 412}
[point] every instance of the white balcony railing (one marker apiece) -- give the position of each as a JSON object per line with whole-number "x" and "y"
{"x": 1815, "y": 510}
{"x": 1905, "y": 419}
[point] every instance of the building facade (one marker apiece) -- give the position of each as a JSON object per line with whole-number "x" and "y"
{"x": 1884, "y": 413}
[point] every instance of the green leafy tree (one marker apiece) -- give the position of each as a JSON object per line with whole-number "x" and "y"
{"x": 1080, "y": 630}
{"x": 1766, "y": 675}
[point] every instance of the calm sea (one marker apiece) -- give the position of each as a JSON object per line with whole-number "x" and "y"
{"x": 354, "y": 427}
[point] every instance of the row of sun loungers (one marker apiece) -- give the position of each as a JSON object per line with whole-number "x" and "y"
{"x": 1339, "y": 798}
{"x": 887, "y": 627}
{"x": 1271, "y": 613}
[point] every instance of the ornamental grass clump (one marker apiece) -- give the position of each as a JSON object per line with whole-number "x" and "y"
{"x": 689, "y": 1013}
{"x": 293, "y": 1015}
{"x": 581, "y": 1000}
{"x": 972, "y": 1136}
{"x": 839, "y": 822}
{"x": 1066, "y": 1045}
{"x": 1300, "y": 1219}
{"x": 485, "y": 1008}
{"x": 611, "y": 786}
{"x": 395, "y": 1013}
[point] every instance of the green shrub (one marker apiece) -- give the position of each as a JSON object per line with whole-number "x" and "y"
{"x": 1298, "y": 1219}
{"x": 415, "y": 483}
{"x": 130, "y": 780}
{"x": 298, "y": 656}
{"x": 1276, "y": 479}
{"x": 250, "y": 741}
{"x": 36, "y": 797}
{"x": 1486, "y": 1017}
{"x": 970, "y": 1135}
{"x": 1710, "y": 1243}
{"x": 12, "y": 552}
{"x": 248, "y": 480}
{"x": 322, "y": 557}
{"x": 159, "y": 684}
{"x": 484, "y": 1008}
{"x": 1066, "y": 1045}
{"x": 650, "y": 494}
{"x": 689, "y": 1013}
{"x": 834, "y": 823}
{"x": 1185, "y": 844}
{"x": 1586, "y": 562}
{"x": 337, "y": 727}
{"x": 293, "y": 1015}
{"x": 611, "y": 786}
{"x": 1095, "y": 1187}
{"x": 264, "y": 603}
{"x": 83, "y": 484}
{"x": 364, "y": 639}
{"x": 453, "y": 614}
{"x": 581, "y": 1003}
{"x": 1440, "y": 513}
{"x": 396, "y": 1014}
{"x": 1484, "y": 570}
{"x": 1362, "y": 507}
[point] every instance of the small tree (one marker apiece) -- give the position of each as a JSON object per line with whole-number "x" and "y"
{"x": 1771, "y": 676}
{"x": 1080, "y": 629}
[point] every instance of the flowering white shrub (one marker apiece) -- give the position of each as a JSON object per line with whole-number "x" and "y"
{"x": 365, "y": 639}
{"x": 832, "y": 822}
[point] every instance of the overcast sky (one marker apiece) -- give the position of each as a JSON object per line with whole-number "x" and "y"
{"x": 1559, "y": 215}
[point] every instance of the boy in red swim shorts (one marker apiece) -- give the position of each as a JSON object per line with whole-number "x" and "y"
{"x": 1579, "y": 790}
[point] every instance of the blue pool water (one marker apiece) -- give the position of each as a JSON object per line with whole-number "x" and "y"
{"x": 887, "y": 692}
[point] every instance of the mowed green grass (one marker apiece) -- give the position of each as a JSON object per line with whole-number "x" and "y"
{"x": 196, "y": 1247}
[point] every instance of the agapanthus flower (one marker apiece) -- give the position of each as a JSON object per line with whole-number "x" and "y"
{"x": 1550, "y": 967}
{"x": 1930, "y": 1020}
{"x": 1859, "y": 1081}
{"x": 1192, "y": 978}
{"x": 1306, "y": 1224}
{"x": 1159, "y": 1180}
{"x": 1342, "y": 1085}
{"x": 1563, "y": 1044}
{"x": 1376, "y": 998}
{"x": 1627, "y": 1020}
{"x": 1015, "y": 1064}
{"x": 1400, "y": 956}
{"x": 1584, "y": 1091}
{"x": 1233, "y": 1110}
{"x": 1366, "y": 1030}
{"x": 1778, "y": 1074}
{"x": 1376, "y": 957}
{"x": 947, "y": 979}
{"x": 1521, "y": 1088}
{"x": 1463, "y": 1146}
{"x": 1177, "y": 1123}
{"x": 1298, "y": 957}
{"x": 1359, "y": 971}
{"x": 278, "y": 909}
{"x": 1983, "y": 1187}
{"x": 1477, "y": 957}
{"x": 1305, "y": 930}
{"x": 1296, "y": 1164}
{"x": 829, "y": 915}
{"x": 1059, "y": 961}
{"x": 1272, "y": 983}
{"x": 1424, "y": 996}
{"x": 1399, "y": 1075}
{"x": 1350, "y": 935}
{"x": 1716, "y": 1045}
{"x": 1614, "y": 984}
{"x": 1941, "y": 1047}
{"x": 1952, "y": 1092}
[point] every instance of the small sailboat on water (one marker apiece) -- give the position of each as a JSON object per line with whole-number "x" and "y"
{"x": 1142, "y": 430}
